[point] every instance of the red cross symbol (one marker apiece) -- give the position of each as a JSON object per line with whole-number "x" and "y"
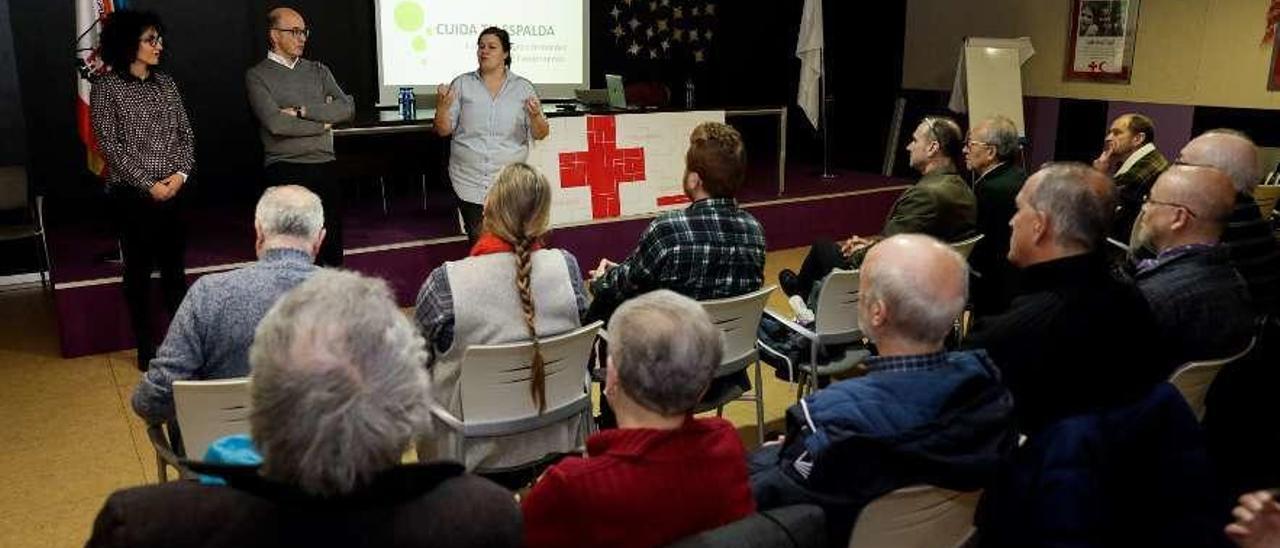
{"x": 603, "y": 167}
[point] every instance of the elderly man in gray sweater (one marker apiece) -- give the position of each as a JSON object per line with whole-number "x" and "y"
{"x": 297, "y": 101}
{"x": 210, "y": 335}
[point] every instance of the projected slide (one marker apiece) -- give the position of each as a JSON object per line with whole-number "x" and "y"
{"x": 429, "y": 42}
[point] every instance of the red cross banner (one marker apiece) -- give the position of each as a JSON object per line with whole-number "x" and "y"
{"x": 618, "y": 165}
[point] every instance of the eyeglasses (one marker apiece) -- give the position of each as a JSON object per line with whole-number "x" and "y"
{"x": 972, "y": 144}
{"x": 296, "y": 32}
{"x": 153, "y": 41}
{"x": 1147, "y": 200}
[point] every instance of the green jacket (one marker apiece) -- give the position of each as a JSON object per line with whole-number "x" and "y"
{"x": 940, "y": 205}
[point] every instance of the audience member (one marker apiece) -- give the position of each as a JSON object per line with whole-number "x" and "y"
{"x": 210, "y": 335}
{"x": 338, "y": 392}
{"x": 1074, "y": 338}
{"x": 662, "y": 474}
{"x": 990, "y": 153}
{"x": 709, "y": 250}
{"x": 921, "y": 415}
{"x": 1130, "y": 157}
{"x": 1247, "y": 237}
{"x": 940, "y": 204}
{"x": 1257, "y": 523}
{"x": 1199, "y": 301}
{"x": 297, "y": 101}
{"x": 509, "y": 290}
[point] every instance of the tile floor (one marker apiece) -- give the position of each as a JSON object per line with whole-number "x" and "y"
{"x": 71, "y": 439}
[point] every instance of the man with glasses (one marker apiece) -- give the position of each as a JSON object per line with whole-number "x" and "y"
{"x": 297, "y": 101}
{"x": 1198, "y": 299}
{"x": 939, "y": 205}
{"x": 990, "y": 154}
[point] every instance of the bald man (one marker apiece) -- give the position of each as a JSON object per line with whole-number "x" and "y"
{"x": 210, "y": 335}
{"x": 919, "y": 412}
{"x": 1130, "y": 157}
{"x": 1247, "y": 236}
{"x": 297, "y": 102}
{"x": 1200, "y": 302}
{"x": 1075, "y": 338}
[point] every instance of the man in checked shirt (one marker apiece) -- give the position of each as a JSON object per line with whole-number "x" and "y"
{"x": 710, "y": 250}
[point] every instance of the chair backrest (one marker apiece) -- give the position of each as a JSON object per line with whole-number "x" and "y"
{"x": 916, "y": 517}
{"x": 739, "y": 320}
{"x": 1266, "y": 196}
{"x": 13, "y": 188}
{"x": 836, "y": 312}
{"x": 1193, "y": 379}
{"x": 208, "y": 410}
{"x": 797, "y": 526}
{"x": 965, "y": 247}
{"x": 495, "y": 378}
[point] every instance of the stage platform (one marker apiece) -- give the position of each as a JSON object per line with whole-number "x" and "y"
{"x": 417, "y": 235}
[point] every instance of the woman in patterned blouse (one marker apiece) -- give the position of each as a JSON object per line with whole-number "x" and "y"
{"x": 141, "y": 126}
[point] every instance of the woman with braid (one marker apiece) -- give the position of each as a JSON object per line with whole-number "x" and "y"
{"x": 510, "y": 289}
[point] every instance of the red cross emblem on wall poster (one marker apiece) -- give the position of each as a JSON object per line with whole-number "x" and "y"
{"x": 603, "y": 167}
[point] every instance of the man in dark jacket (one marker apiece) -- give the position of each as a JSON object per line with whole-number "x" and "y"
{"x": 940, "y": 205}
{"x": 1074, "y": 338}
{"x": 1130, "y": 157}
{"x": 1248, "y": 237}
{"x": 920, "y": 415}
{"x": 1199, "y": 301}
{"x": 990, "y": 153}
{"x": 338, "y": 394}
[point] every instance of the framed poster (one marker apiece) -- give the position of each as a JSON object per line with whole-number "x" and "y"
{"x": 1101, "y": 40}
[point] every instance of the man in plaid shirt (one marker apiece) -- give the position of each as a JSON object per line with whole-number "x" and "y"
{"x": 709, "y": 250}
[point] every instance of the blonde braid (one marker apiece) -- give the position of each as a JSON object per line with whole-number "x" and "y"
{"x": 524, "y": 268}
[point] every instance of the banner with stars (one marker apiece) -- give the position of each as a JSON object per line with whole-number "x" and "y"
{"x": 680, "y": 30}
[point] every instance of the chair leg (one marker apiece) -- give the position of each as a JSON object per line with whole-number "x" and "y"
{"x": 759, "y": 406}
{"x": 382, "y": 186}
{"x": 720, "y": 411}
{"x": 162, "y": 472}
{"x": 41, "y": 264}
{"x": 424, "y": 191}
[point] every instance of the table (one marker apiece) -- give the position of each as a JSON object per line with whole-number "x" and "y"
{"x": 384, "y": 122}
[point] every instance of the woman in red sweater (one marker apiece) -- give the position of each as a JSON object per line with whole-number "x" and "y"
{"x": 661, "y": 475}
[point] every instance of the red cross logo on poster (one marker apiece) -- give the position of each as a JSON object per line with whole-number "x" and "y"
{"x": 604, "y": 167}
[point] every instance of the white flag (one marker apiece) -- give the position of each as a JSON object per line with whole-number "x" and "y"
{"x": 809, "y": 51}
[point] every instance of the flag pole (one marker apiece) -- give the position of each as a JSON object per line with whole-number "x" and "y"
{"x": 826, "y": 121}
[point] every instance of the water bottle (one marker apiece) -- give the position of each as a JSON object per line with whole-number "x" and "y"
{"x": 408, "y": 104}
{"x": 688, "y": 93}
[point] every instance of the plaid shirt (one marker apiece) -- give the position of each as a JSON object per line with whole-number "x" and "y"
{"x": 709, "y": 250}
{"x": 902, "y": 364}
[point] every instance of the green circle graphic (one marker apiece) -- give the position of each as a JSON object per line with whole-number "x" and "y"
{"x": 409, "y": 16}
{"x": 419, "y": 44}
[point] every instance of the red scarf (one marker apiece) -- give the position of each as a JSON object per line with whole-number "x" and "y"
{"x": 488, "y": 243}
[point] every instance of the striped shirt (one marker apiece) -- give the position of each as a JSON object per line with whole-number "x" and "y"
{"x": 710, "y": 250}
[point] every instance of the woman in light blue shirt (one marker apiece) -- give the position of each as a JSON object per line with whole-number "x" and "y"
{"x": 493, "y": 116}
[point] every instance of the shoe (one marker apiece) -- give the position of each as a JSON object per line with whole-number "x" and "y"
{"x": 804, "y": 316}
{"x": 789, "y": 282}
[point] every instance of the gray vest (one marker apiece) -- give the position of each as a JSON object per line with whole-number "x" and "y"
{"x": 486, "y": 308}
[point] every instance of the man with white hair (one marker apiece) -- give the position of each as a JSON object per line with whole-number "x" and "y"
{"x": 338, "y": 394}
{"x": 921, "y": 415}
{"x": 1247, "y": 236}
{"x": 991, "y": 153}
{"x": 1074, "y": 338}
{"x": 210, "y": 335}
{"x": 1199, "y": 300}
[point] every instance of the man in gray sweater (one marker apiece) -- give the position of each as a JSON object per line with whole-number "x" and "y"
{"x": 297, "y": 101}
{"x": 210, "y": 335}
